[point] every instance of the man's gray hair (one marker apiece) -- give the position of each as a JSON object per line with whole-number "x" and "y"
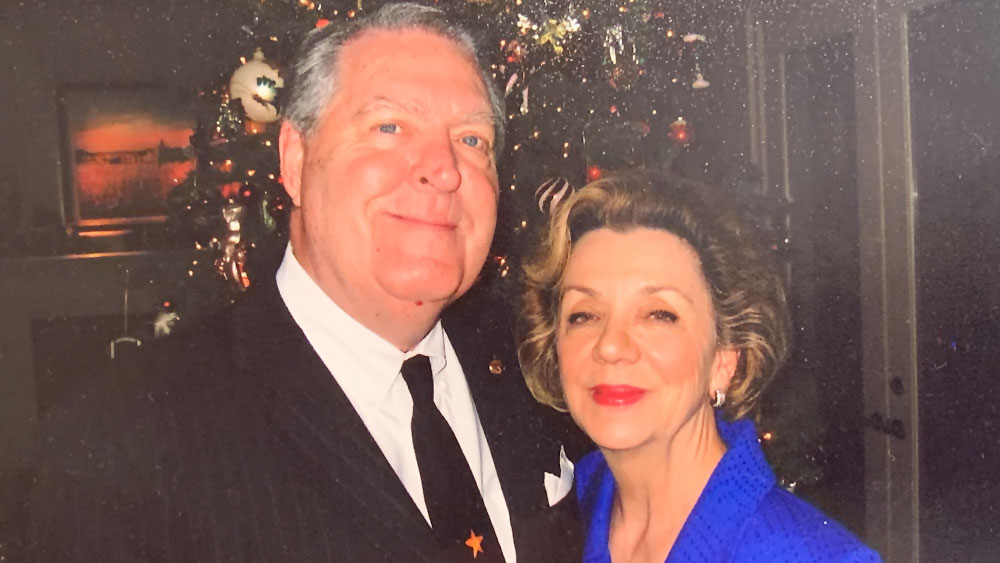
{"x": 314, "y": 74}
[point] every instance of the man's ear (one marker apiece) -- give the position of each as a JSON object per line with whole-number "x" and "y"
{"x": 291, "y": 150}
{"x": 724, "y": 367}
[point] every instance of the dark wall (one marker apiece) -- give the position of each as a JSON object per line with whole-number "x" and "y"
{"x": 45, "y": 45}
{"x": 181, "y": 44}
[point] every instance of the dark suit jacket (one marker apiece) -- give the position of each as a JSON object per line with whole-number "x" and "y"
{"x": 234, "y": 443}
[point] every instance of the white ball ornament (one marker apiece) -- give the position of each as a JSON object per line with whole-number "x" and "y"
{"x": 256, "y": 85}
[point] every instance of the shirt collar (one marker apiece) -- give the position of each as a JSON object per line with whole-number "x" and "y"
{"x": 364, "y": 364}
{"x": 595, "y": 490}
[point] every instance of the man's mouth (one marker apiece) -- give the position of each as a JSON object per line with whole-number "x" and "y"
{"x": 432, "y": 222}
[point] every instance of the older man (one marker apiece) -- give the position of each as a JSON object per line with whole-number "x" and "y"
{"x": 333, "y": 414}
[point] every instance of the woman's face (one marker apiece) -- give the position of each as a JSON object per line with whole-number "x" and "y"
{"x": 636, "y": 337}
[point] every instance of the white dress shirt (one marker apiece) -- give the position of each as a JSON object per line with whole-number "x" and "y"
{"x": 367, "y": 368}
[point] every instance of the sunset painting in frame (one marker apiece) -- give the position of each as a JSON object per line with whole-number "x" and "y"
{"x": 127, "y": 147}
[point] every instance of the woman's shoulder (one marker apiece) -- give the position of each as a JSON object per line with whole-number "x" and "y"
{"x": 787, "y": 528}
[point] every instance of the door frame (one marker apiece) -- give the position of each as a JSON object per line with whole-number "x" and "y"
{"x": 886, "y": 214}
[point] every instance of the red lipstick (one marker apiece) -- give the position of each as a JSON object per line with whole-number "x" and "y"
{"x": 616, "y": 395}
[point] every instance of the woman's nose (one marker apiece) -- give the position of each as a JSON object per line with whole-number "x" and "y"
{"x": 616, "y": 345}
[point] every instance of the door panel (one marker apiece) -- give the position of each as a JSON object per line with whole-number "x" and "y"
{"x": 928, "y": 211}
{"x": 824, "y": 276}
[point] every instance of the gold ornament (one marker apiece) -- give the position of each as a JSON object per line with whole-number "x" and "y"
{"x": 232, "y": 263}
{"x": 553, "y": 32}
{"x": 496, "y": 367}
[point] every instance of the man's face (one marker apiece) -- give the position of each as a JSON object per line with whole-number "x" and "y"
{"x": 396, "y": 189}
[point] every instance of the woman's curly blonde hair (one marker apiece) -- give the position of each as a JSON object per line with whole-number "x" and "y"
{"x": 747, "y": 292}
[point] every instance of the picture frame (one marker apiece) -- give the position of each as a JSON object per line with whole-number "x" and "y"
{"x": 125, "y": 146}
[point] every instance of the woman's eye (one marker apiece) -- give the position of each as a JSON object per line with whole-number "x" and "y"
{"x": 662, "y": 315}
{"x": 389, "y": 128}
{"x": 578, "y": 318}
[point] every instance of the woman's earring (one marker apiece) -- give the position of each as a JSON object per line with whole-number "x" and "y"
{"x": 720, "y": 398}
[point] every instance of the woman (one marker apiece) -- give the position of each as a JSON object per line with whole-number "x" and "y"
{"x": 650, "y": 316}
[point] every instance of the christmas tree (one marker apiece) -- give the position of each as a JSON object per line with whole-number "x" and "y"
{"x": 589, "y": 87}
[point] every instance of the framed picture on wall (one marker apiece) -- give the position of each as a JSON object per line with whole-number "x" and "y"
{"x": 125, "y": 148}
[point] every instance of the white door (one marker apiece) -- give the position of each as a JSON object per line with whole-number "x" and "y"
{"x": 913, "y": 140}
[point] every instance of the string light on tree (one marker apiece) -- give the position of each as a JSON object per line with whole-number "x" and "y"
{"x": 594, "y": 172}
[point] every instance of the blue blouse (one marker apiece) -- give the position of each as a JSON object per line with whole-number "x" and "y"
{"x": 742, "y": 516}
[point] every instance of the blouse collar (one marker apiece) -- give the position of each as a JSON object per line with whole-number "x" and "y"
{"x": 737, "y": 485}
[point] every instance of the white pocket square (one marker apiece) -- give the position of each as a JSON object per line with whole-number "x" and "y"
{"x": 557, "y": 487}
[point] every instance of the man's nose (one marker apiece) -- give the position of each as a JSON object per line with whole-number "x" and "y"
{"x": 615, "y": 344}
{"x": 437, "y": 165}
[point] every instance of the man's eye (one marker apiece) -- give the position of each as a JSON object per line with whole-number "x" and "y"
{"x": 388, "y": 128}
{"x": 474, "y": 141}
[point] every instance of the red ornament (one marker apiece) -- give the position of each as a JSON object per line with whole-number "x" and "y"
{"x": 515, "y": 51}
{"x": 594, "y": 172}
{"x": 679, "y": 132}
{"x": 230, "y": 190}
{"x": 322, "y": 22}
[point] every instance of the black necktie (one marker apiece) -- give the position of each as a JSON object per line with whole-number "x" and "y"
{"x": 454, "y": 503}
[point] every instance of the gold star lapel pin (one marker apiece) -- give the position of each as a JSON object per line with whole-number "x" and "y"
{"x": 475, "y": 542}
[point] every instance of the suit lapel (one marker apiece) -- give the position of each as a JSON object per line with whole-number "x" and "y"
{"x": 324, "y": 431}
{"x": 524, "y": 436}
{"x": 505, "y": 408}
